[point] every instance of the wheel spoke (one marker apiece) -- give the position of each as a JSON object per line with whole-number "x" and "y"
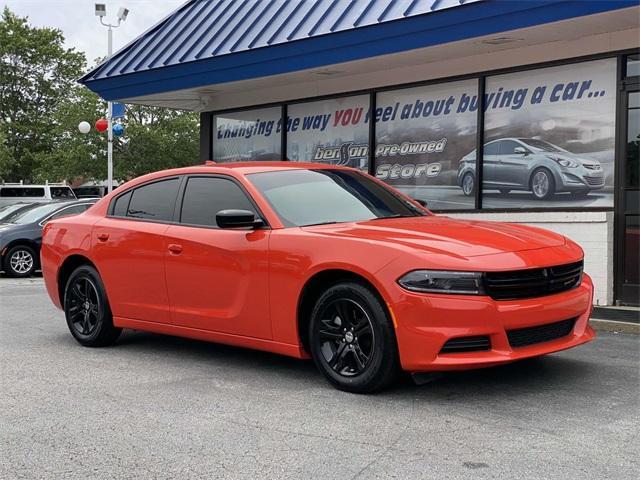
{"x": 337, "y": 361}
{"x": 359, "y": 356}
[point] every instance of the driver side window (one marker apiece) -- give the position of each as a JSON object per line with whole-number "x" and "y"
{"x": 204, "y": 197}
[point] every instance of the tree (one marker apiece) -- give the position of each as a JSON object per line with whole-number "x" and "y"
{"x": 5, "y": 156}
{"x": 36, "y": 74}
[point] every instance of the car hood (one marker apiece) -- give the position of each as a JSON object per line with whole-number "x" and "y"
{"x": 443, "y": 235}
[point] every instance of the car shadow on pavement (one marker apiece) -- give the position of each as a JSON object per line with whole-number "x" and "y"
{"x": 525, "y": 376}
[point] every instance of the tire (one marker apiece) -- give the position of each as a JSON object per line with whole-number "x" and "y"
{"x": 505, "y": 191}
{"x": 87, "y": 310}
{"x": 20, "y": 261}
{"x": 351, "y": 339}
{"x": 539, "y": 179}
{"x": 468, "y": 184}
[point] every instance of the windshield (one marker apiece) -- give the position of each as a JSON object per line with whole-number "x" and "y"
{"x": 311, "y": 197}
{"x": 33, "y": 214}
{"x": 541, "y": 145}
{"x": 9, "y": 210}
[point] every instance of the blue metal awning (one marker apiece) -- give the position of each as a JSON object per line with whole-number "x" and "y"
{"x": 208, "y": 42}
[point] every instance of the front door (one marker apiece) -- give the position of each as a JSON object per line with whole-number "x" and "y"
{"x": 217, "y": 278}
{"x": 628, "y": 204}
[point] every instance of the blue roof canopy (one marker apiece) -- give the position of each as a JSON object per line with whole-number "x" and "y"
{"x": 208, "y": 42}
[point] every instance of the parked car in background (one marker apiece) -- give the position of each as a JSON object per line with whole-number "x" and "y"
{"x": 17, "y": 193}
{"x": 530, "y": 164}
{"x": 314, "y": 260}
{"x": 93, "y": 189}
{"x": 21, "y": 234}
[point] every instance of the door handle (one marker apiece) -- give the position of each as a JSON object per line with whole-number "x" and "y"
{"x": 103, "y": 237}
{"x": 175, "y": 248}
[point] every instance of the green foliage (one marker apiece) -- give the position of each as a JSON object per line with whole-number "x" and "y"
{"x": 36, "y": 74}
{"x": 41, "y": 106}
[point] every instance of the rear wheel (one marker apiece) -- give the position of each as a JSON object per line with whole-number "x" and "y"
{"x": 87, "y": 309}
{"x": 352, "y": 341}
{"x": 20, "y": 261}
{"x": 468, "y": 184}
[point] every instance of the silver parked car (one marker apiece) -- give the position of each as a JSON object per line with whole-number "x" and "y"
{"x": 533, "y": 165}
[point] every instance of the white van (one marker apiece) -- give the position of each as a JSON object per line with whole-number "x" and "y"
{"x": 16, "y": 192}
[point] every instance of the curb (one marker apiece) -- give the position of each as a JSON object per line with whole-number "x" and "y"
{"x": 602, "y": 325}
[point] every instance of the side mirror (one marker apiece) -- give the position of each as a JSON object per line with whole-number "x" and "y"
{"x": 421, "y": 202}
{"x": 237, "y": 219}
{"x": 520, "y": 150}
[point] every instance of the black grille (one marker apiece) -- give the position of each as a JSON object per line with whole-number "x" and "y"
{"x": 523, "y": 337}
{"x": 466, "y": 344}
{"x": 594, "y": 180}
{"x": 535, "y": 282}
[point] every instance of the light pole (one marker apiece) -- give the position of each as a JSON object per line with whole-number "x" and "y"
{"x": 101, "y": 11}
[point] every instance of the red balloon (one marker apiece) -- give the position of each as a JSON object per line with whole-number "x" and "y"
{"x": 102, "y": 125}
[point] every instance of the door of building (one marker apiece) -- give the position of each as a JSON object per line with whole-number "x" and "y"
{"x": 628, "y": 199}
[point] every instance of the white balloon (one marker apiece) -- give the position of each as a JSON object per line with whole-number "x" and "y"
{"x": 84, "y": 127}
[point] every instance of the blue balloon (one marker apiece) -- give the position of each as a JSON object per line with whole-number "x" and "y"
{"x": 118, "y": 129}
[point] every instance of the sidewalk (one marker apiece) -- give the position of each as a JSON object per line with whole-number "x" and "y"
{"x": 616, "y": 319}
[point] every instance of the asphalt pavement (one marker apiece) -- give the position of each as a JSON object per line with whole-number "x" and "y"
{"x": 167, "y": 408}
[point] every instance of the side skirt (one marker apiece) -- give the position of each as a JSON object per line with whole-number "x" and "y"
{"x": 289, "y": 350}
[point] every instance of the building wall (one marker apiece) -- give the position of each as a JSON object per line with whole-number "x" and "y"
{"x": 593, "y": 231}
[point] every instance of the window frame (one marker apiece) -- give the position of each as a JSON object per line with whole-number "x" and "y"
{"x": 481, "y": 77}
{"x": 50, "y": 216}
{"x": 183, "y": 188}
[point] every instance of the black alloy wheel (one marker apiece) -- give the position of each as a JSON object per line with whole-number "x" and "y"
{"x": 87, "y": 310}
{"x": 352, "y": 340}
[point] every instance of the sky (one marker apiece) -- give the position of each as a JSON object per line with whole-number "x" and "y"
{"x": 82, "y": 29}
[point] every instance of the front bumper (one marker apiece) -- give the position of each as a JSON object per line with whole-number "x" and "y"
{"x": 579, "y": 179}
{"x": 425, "y": 322}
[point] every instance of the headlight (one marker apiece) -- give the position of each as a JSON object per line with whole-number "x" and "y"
{"x": 564, "y": 162}
{"x": 438, "y": 281}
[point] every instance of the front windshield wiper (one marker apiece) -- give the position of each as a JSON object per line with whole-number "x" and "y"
{"x": 319, "y": 223}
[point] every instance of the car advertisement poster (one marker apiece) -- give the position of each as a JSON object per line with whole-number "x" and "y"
{"x": 550, "y": 137}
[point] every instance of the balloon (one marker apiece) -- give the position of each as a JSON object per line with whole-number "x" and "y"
{"x": 102, "y": 125}
{"x": 118, "y": 129}
{"x": 84, "y": 127}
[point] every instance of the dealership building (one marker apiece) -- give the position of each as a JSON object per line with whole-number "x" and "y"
{"x": 515, "y": 111}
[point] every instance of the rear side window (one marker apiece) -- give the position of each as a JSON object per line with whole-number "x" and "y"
{"x": 154, "y": 201}
{"x": 62, "y": 192}
{"x": 21, "y": 192}
{"x": 204, "y": 197}
{"x": 121, "y": 204}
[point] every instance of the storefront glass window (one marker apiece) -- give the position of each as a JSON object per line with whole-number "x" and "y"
{"x": 550, "y": 137}
{"x": 334, "y": 131}
{"x": 247, "y": 135}
{"x": 633, "y": 65}
{"x": 425, "y": 142}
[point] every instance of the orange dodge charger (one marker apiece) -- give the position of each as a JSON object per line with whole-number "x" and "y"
{"x": 314, "y": 260}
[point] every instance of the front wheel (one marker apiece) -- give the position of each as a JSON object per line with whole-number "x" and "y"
{"x": 352, "y": 340}
{"x": 87, "y": 310}
{"x": 543, "y": 186}
{"x": 20, "y": 261}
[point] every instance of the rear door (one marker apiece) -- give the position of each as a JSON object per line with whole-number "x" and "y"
{"x": 217, "y": 278}
{"x": 490, "y": 163}
{"x": 129, "y": 247}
